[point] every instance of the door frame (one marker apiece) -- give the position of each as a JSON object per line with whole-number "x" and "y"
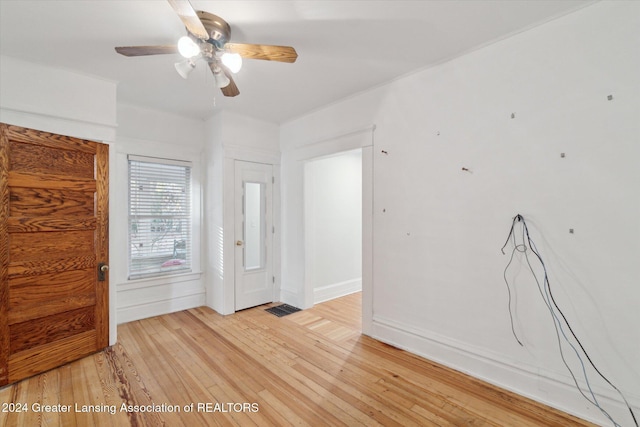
{"x": 224, "y": 286}
{"x": 294, "y": 244}
{"x": 238, "y": 231}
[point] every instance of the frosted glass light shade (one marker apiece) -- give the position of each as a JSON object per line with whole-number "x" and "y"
{"x": 187, "y": 47}
{"x": 233, "y": 61}
{"x": 221, "y": 80}
{"x": 184, "y": 68}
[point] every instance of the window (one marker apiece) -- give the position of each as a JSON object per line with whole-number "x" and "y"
{"x": 159, "y": 217}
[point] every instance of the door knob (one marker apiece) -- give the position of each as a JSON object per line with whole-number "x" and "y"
{"x": 239, "y": 243}
{"x": 102, "y": 270}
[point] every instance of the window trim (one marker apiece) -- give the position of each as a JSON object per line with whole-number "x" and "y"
{"x": 159, "y": 275}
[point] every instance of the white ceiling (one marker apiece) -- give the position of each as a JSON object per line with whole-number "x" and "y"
{"x": 344, "y": 47}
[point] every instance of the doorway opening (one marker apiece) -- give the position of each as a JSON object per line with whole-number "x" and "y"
{"x": 333, "y": 225}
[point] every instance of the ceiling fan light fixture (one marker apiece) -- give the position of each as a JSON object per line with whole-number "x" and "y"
{"x": 184, "y": 68}
{"x": 207, "y": 41}
{"x": 221, "y": 79}
{"x": 187, "y": 47}
{"x": 233, "y": 61}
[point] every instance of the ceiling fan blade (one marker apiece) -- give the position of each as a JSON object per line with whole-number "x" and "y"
{"x": 231, "y": 89}
{"x": 189, "y": 18}
{"x": 263, "y": 51}
{"x": 146, "y": 50}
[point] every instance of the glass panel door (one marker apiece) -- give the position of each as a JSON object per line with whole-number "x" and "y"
{"x": 254, "y": 225}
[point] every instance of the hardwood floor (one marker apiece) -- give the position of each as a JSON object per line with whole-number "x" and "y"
{"x": 252, "y": 368}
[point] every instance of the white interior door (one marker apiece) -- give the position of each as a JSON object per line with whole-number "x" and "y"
{"x": 253, "y": 234}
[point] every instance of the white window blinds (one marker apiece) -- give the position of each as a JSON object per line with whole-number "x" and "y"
{"x": 159, "y": 217}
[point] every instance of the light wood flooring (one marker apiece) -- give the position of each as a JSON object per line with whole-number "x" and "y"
{"x": 311, "y": 368}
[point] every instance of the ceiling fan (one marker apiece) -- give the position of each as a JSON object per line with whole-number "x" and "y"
{"x": 208, "y": 39}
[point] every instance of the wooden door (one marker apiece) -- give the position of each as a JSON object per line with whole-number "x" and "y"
{"x": 53, "y": 236}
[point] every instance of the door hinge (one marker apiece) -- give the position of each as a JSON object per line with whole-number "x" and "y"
{"x": 273, "y": 229}
{"x": 273, "y": 279}
{"x": 273, "y": 179}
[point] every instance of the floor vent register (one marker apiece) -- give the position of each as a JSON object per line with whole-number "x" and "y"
{"x": 282, "y": 310}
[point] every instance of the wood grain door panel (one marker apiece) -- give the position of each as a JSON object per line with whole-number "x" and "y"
{"x": 42, "y": 245}
{"x": 26, "y": 202}
{"x": 27, "y": 291}
{"x": 41, "y": 358}
{"x": 32, "y": 297}
{"x": 45, "y": 330}
{"x": 31, "y": 268}
{"x": 54, "y": 161}
{"x": 53, "y": 233}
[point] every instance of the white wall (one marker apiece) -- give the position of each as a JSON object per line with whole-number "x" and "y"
{"x": 55, "y": 100}
{"x": 438, "y": 285}
{"x": 66, "y": 103}
{"x": 232, "y": 137}
{"x": 214, "y": 230}
{"x": 333, "y": 225}
{"x": 152, "y": 133}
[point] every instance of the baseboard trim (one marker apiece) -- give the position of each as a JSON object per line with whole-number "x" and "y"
{"x": 159, "y": 307}
{"x": 532, "y": 382}
{"x": 336, "y": 290}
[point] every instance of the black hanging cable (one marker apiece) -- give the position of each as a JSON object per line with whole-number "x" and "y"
{"x": 550, "y": 305}
{"x": 516, "y": 218}
{"x": 504, "y": 274}
{"x": 534, "y": 250}
{"x": 558, "y": 329}
{"x": 523, "y": 248}
{"x": 518, "y": 248}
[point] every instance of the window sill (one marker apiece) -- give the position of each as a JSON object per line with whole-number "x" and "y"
{"x": 160, "y": 280}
